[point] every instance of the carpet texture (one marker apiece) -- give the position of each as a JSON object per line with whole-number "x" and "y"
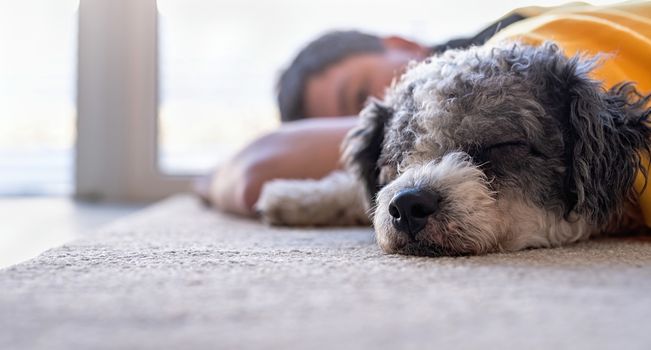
{"x": 177, "y": 276}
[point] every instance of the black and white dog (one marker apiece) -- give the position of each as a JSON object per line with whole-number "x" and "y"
{"x": 484, "y": 150}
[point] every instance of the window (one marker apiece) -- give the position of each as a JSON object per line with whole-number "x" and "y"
{"x": 37, "y": 96}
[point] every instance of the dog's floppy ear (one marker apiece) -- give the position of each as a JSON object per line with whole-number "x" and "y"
{"x": 363, "y": 145}
{"x": 607, "y": 133}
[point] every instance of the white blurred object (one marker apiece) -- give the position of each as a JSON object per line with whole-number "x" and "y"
{"x": 37, "y": 95}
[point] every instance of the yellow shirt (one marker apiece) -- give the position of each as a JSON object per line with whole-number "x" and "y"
{"x": 623, "y": 31}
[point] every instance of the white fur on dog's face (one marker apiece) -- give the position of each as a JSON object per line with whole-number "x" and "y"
{"x": 520, "y": 147}
{"x": 467, "y": 221}
{"x": 473, "y": 219}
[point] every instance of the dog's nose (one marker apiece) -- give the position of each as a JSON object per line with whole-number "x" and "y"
{"x": 410, "y": 209}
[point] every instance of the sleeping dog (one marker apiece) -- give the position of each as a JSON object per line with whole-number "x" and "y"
{"x": 482, "y": 150}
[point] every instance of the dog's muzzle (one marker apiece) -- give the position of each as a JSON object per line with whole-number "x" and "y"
{"x": 411, "y": 208}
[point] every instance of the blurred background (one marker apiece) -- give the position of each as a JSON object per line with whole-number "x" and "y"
{"x": 197, "y": 76}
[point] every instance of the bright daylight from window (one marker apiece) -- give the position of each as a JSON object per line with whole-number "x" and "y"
{"x": 37, "y": 96}
{"x": 219, "y": 60}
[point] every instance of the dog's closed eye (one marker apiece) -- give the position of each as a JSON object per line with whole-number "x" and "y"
{"x": 504, "y": 151}
{"x": 513, "y": 148}
{"x": 507, "y": 144}
{"x": 500, "y": 149}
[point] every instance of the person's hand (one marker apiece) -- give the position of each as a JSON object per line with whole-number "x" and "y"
{"x": 306, "y": 149}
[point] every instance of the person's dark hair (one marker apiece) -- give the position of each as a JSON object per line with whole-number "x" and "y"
{"x": 314, "y": 58}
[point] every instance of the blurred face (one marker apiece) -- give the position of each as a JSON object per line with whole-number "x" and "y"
{"x": 342, "y": 88}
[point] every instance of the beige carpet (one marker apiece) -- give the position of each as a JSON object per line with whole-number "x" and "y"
{"x": 179, "y": 277}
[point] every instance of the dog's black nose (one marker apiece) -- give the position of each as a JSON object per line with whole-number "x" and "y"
{"x": 410, "y": 209}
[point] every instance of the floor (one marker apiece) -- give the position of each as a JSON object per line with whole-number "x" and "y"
{"x": 31, "y": 225}
{"x": 177, "y": 276}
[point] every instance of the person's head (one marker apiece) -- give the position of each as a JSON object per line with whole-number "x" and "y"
{"x": 335, "y": 74}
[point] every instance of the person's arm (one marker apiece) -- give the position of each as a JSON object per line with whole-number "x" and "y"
{"x": 306, "y": 149}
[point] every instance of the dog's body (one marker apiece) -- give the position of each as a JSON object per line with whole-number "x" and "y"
{"x": 483, "y": 150}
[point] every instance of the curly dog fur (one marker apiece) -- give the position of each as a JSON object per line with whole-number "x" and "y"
{"x": 515, "y": 145}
